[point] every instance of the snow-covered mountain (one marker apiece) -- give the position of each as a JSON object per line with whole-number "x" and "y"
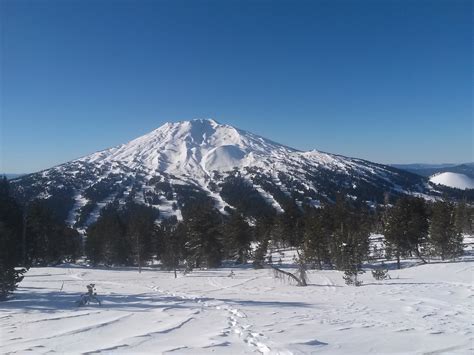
{"x": 203, "y": 159}
{"x": 455, "y": 180}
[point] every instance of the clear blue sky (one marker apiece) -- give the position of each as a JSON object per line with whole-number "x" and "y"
{"x": 388, "y": 81}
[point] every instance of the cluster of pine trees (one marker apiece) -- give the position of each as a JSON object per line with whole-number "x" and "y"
{"x": 426, "y": 230}
{"x": 128, "y": 235}
{"x": 31, "y": 235}
{"x": 333, "y": 236}
{"x": 122, "y": 235}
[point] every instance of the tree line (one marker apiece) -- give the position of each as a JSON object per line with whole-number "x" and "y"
{"x": 31, "y": 235}
{"x": 335, "y": 235}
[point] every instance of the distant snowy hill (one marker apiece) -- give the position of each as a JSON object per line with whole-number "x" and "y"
{"x": 202, "y": 159}
{"x": 432, "y": 169}
{"x": 455, "y": 180}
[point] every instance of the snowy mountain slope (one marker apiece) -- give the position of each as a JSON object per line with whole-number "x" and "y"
{"x": 455, "y": 180}
{"x": 202, "y": 159}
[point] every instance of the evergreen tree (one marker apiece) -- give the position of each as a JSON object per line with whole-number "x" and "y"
{"x": 263, "y": 233}
{"x": 95, "y": 243}
{"x": 316, "y": 238}
{"x": 172, "y": 237}
{"x": 48, "y": 240}
{"x": 349, "y": 225}
{"x": 106, "y": 240}
{"x": 238, "y": 236}
{"x": 406, "y": 227}
{"x": 140, "y": 232}
{"x": 204, "y": 236}
{"x": 354, "y": 251}
{"x": 463, "y": 218}
{"x": 288, "y": 228}
{"x": 72, "y": 248}
{"x": 10, "y": 241}
{"x": 40, "y": 234}
{"x": 122, "y": 236}
{"x": 445, "y": 239}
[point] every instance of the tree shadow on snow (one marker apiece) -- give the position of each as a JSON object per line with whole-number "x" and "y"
{"x": 398, "y": 283}
{"x": 27, "y": 300}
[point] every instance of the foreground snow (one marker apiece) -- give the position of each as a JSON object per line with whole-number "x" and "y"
{"x": 425, "y": 309}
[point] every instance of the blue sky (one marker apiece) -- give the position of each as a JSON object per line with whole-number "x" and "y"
{"x": 388, "y": 81}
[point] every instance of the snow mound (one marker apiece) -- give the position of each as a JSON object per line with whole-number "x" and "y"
{"x": 456, "y": 180}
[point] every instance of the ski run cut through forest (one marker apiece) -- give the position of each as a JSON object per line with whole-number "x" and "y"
{"x": 421, "y": 309}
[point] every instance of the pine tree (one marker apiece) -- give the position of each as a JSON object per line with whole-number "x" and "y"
{"x": 95, "y": 243}
{"x": 11, "y": 223}
{"x": 354, "y": 251}
{"x": 48, "y": 240}
{"x": 406, "y": 227}
{"x": 238, "y": 236}
{"x": 263, "y": 233}
{"x": 463, "y": 218}
{"x": 349, "y": 226}
{"x": 316, "y": 238}
{"x": 140, "y": 232}
{"x": 172, "y": 236}
{"x": 204, "y": 236}
{"x": 288, "y": 228}
{"x": 39, "y": 231}
{"x": 106, "y": 239}
{"x": 445, "y": 238}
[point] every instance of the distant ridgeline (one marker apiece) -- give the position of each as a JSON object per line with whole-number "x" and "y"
{"x": 202, "y": 160}
{"x": 10, "y": 176}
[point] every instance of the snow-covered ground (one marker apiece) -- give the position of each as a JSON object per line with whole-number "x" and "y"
{"x": 426, "y": 309}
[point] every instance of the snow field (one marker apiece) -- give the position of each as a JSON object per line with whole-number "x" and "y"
{"x": 426, "y": 309}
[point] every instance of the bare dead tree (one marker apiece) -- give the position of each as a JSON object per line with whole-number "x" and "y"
{"x": 299, "y": 281}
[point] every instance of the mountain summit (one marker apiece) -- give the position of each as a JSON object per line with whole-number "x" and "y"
{"x": 202, "y": 160}
{"x": 195, "y": 147}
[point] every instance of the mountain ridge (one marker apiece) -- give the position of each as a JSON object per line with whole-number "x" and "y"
{"x": 200, "y": 160}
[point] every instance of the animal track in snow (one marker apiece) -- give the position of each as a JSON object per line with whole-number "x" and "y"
{"x": 234, "y": 320}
